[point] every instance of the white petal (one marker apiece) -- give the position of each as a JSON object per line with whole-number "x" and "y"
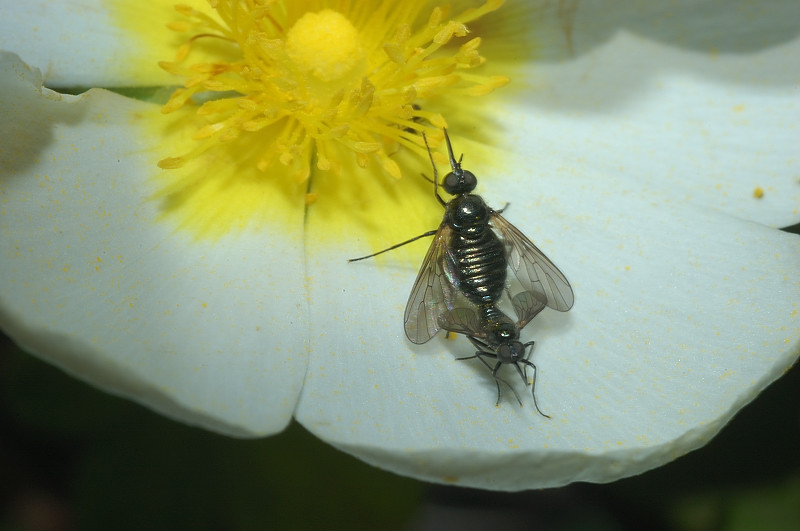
{"x": 733, "y": 26}
{"x": 682, "y": 316}
{"x": 93, "y": 43}
{"x": 688, "y": 100}
{"x": 205, "y": 332}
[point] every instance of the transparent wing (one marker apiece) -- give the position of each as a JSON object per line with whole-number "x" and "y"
{"x": 463, "y": 320}
{"x": 532, "y": 268}
{"x": 527, "y": 305}
{"x": 432, "y": 295}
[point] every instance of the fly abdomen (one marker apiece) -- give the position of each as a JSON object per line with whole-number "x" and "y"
{"x": 491, "y": 316}
{"x": 479, "y": 267}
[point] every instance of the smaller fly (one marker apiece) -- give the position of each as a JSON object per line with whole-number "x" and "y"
{"x": 463, "y": 276}
{"x": 496, "y": 337}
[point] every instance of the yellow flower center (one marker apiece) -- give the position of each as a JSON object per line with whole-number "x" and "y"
{"x": 290, "y": 87}
{"x": 324, "y": 44}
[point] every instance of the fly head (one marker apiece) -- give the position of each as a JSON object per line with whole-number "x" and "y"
{"x": 459, "y": 181}
{"x": 511, "y": 352}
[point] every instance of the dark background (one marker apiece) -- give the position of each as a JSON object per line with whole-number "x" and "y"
{"x": 72, "y": 457}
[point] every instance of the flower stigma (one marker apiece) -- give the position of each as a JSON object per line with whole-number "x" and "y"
{"x": 295, "y": 87}
{"x": 309, "y": 46}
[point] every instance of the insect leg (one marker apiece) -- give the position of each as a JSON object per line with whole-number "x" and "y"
{"x": 482, "y": 351}
{"x": 533, "y": 384}
{"x": 500, "y": 210}
{"x": 435, "y": 173}
{"x": 480, "y": 354}
{"x": 481, "y": 346}
{"x": 415, "y": 238}
{"x": 528, "y": 353}
{"x": 497, "y": 381}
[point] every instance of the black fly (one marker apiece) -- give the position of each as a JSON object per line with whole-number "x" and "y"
{"x": 464, "y": 273}
{"x": 496, "y": 336}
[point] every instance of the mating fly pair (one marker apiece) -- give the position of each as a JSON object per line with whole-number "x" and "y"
{"x": 463, "y": 278}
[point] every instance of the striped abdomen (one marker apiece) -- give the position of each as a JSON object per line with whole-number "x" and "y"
{"x": 479, "y": 266}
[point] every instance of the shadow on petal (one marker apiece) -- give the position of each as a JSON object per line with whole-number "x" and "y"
{"x": 29, "y": 114}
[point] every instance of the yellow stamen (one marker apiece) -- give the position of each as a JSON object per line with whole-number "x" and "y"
{"x": 303, "y": 79}
{"x": 301, "y": 86}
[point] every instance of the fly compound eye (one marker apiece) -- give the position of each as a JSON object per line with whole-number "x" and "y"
{"x": 517, "y": 350}
{"x": 469, "y": 181}
{"x": 451, "y": 183}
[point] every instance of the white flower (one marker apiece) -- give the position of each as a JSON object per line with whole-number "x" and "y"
{"x": 631, "y": 144}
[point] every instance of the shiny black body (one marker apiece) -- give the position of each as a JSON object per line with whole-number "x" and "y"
{"x": 464, "y": 276}
{"x": 477, "y": 265}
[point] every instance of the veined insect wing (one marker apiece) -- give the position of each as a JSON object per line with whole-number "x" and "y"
{"x": 534, "y": 271}
{"x": 527, "y": 305}
{"x": 432, "y": 295}
{"x": 464, "y": 321}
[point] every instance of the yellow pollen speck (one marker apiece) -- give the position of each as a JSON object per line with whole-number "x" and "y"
{"x": 758, "y": 192}
{"x": 324, "y": 43}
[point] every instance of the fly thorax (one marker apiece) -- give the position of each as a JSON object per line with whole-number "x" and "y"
{"x": 468, "y": 215}
{"x": 502, "y": 333}
{"x": 500, "y": 329}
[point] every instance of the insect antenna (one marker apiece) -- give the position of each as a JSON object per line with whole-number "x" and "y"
{"x": 455, "y": 165}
